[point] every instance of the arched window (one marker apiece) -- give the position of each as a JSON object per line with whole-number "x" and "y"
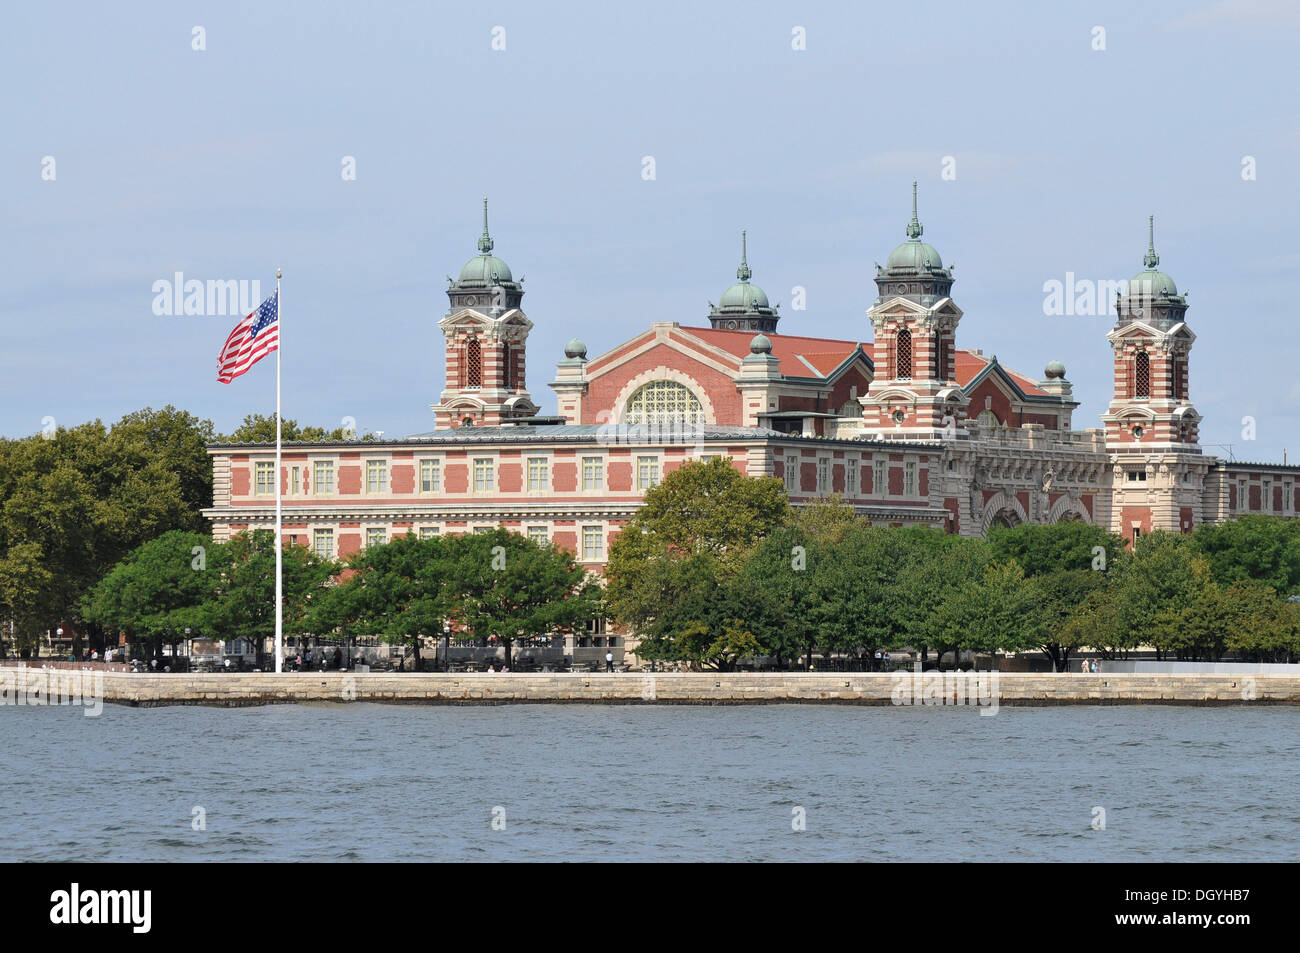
{"x": 661, "y": 403}
{"x": 941, "y": 373}
{"x": 1179, "y": 364}
{"x": 507, "y": 369}
{"x": 988, "y": 419}
{"x": 473, "y": 364}
{"x": 903, "y": 355}
{"x": 1142, "y": 375}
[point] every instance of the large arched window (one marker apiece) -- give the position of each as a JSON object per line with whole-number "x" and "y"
{"x": 1142, "y": 375}
{"x": 663, "y": 403}
{"x": 904, "y": 355}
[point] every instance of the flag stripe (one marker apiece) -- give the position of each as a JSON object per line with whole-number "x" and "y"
{"x": 256, "y": 336}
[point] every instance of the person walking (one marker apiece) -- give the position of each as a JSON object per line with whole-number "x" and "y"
{"x": 1083, "y": 666}
{"x": 609, "y": 661}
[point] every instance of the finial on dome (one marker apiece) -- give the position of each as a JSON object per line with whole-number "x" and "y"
{"x": 760, "y": 344}
{"x": 575, "y": 349}
{"x": 1151, "y": 259}
{"x": 743, "y": 272}
{"x": 914, "y": 229}
{"x": 1055, "y": 370}
{"x": 485, "y": 242}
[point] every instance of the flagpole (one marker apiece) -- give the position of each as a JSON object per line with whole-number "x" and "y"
{"x": 279, "y": 548}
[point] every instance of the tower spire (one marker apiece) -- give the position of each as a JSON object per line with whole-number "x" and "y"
{"x": 485, "y": 242}
{"x": 743, "y": 272}
{"x": 1151, "y": 259}
{"x": 914, "y": 229}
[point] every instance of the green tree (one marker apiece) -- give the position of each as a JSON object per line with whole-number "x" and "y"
{"x": 1045, "y": 548}
{"x": 506, "y": 586}
{"x": 257, "y": 428}
{"x": 1253, "y": 547}
{"x": 156, "y": 592}
{"x": 243, "y": 602}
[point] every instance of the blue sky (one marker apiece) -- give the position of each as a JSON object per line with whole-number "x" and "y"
{"x": 225, "y": 163}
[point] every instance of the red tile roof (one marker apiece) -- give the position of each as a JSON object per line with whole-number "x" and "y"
{"x": 796, "y": 354}
{"x": 825, "y": 354}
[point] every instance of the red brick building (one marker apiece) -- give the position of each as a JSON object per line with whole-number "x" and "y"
{"x": 907, "y": 427}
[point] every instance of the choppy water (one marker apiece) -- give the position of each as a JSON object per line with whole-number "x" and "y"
{"x": 587, "y": 782}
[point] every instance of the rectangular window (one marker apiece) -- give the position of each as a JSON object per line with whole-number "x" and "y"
{"x": 429, "y": 532}
{"x": 485, "y": 480}
{"x": 851, "y": 477}
{"x": 376, "y": 476}
{"x": 823, "y": 476}
{"x": 484, "y": 529}
{"x": 322, "y": 543}
{"x": 647, "y": 472}
{"x": 791, "y": 473}
{"x": 1136, "y": 476}
{"x": 593, "y": 473}
{"x": 323, "y": 476}
{"x": 1268, "y": 494}
{"x": 293, "y": 481}
{"x": 376, "y": 536}
{"x": 539, "y": 534}
{"x": 1242, "y": 499}
{"x": 909, "y": 479}
{"x": 881, "y": 477}
{"x": 539, "y": 475}
{"x": 265, "y": 477}
{"x": 430, "y": 476}
{"x": 1286, "y": 496}
{"x": 593, "y": 542}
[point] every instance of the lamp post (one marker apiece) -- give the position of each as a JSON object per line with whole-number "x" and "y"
{"x": 189, "y": 648}
{"x": 446, "y": 647}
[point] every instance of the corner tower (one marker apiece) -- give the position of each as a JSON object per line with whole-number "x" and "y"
{"x": 914, "y": 321}
{"x": 486, "y": 332}
{"x": 1150, "y": 408}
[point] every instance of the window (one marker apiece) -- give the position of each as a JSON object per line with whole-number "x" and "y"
{"x": 294, "y": 486}
{"x": 1142, "y": 375}
{"x": 593, "y": 543}
{"x": 593, "y": 473}
{"x": 539, "y": 475}
{"x": 376, "y": 536}
{"x": 484, "y": 529}
{"x": 1241, "y": 494}
{"x": 823, "y": 476}
{"x": 1179, "y": 363}
{"x": 881, "y": 477}
{"x": 1137, "y": 532}
{"x": 904, "y": 355}
{"x": 1286, "y": 497}
{"x": 506, "y": 361}
{"x": 429, "y": 532}
{"x": 376, "y": 476}
{"x": 473, "y": 364}
{"x": 323, "y": 476}
{"x": 541, "y": 535}
{"x": 1136, "y": 476}
{"x": 909, "y": 478}
{"x": 1267, "y": 501}
{"x": 851, "y": 476}
{"x": 265, "y": 477}
{"x": 662, "y": 404}
{"x": 647, "y": 472}
{"x": 791, "y": 473}
{"x": 485, "y": 480}
{"x": 322, "y": 543}
{"x": 430, "y": 476}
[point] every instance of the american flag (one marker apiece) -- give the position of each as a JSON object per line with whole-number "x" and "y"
{"x": 253, "y": 338}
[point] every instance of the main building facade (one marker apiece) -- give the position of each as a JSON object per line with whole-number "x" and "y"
{"x": 908, "y": 428}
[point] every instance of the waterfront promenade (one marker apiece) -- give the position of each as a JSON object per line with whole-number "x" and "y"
{"x": 982, "y": 689}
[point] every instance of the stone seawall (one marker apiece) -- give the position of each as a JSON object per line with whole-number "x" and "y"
{"x": 983, "y": 690}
